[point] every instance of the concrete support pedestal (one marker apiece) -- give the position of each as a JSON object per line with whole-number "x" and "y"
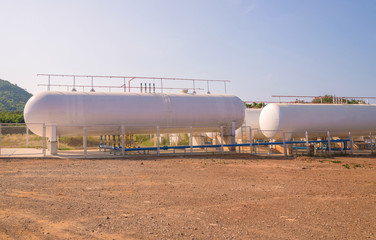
{"x": 229, "y": 139}
{"x": 52, "y": 147}
{"x": 52, "y": 141}
{"x": 229, "y": 136}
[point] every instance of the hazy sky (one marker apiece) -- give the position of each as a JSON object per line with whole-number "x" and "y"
{"x": 289, "y": 47}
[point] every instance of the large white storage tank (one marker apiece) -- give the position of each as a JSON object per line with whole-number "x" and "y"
{"x": 104, "y": 113}
{"x": 317, "y": 119}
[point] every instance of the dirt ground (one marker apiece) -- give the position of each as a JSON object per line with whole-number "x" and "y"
{"x": 204, "y": 197}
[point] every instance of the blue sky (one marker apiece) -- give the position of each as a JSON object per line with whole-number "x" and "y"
{"x": 286, "y": 47}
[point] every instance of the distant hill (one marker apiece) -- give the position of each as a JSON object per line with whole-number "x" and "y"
{"x": 12, "y": 97}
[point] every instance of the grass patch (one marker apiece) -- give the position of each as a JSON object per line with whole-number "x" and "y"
{"x": 65, "y": 148}
{"x": 346, "y": 166}
{"x": 336, "y": 161}
{"x": 358, "y": 166}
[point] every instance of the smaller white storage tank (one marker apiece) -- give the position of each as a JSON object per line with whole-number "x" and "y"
{"x": 317, "y": 119}
{"x": 251, "y": 119}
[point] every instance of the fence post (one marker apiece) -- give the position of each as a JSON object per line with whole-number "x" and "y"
{"x": 250, "y": 140}
{"x": 307, "y": 142}
{"x": 44, "y": 140}
{"x": 222, "y": 139}
{"x": 343, "y": 147}
{"x": 85, "y": 141}
{"x": 123, "y": 139}
{"x": 371, "y": 142}
{"x": 158, "y": 141}
{"x": 284, "y": 144}
{"x": 242, "y": 129}
{"x": 27, "y": 136}
{"x": 191, "y": 139}
{"x": 0, "y": 139}
{"x": 351, "y": 143}
{"x": 329, "y": 147}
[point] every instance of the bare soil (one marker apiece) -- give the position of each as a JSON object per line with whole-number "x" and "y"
{"x": 205, "y": 197}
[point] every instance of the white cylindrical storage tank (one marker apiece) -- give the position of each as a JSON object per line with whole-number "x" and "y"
{"x": 139, "y": 113}
{"x": 317, "y": 119}
{"x": 251, "y": 119}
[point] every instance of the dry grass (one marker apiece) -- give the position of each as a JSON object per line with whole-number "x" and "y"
{"x": 66, "y": 143}
{"x": 19, "y": 140}
{"x": 34, "y": 141}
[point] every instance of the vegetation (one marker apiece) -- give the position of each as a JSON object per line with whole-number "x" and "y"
{"x": 346, "y": 166}
{"x": 255, "y": 105}
{"x": 324, "y": 99}
{"x": 336, "y": 161}
{"x": 329, "y": 99}
{"x": 15, "y": 136}
{"x": 12, "y": 102}
{"x": 299, "y": 101}
{"x": 358, "y": 166}
{"x": 19, "y": 140}
{"x": 143, "y": 140}
{"x": 184, "y": 141}
{"x": 11, "y": 117}
{"x": 67, "y": 143}
{"x": 12, "y": 97}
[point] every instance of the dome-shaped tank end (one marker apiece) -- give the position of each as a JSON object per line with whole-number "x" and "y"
{"x": 270, "y": 121}
{"x": 33, "y": 113}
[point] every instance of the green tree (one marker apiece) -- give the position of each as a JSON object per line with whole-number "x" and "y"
{"x": 11, "y": 117}
{"x": 329, "y": 99}
{"x": 254, "y": 105}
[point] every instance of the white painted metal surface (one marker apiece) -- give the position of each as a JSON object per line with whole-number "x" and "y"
{"x": 251, "y": 119}
{"x": 104, "y": 113}
{"x": 317, "y": 119}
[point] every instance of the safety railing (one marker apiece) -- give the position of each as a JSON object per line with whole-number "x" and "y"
{"x": 129, "y": 80}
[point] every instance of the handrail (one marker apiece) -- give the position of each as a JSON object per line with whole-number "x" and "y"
{"x": 131, "y": 78}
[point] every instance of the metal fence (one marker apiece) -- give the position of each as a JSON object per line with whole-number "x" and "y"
{"x": 18, "y": 140}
